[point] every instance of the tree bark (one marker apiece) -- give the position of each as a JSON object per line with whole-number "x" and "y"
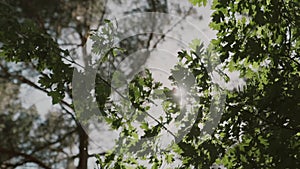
{"x": 83, "y": 148}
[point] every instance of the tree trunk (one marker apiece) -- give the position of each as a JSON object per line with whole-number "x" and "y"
{"x": 83, "y": 148}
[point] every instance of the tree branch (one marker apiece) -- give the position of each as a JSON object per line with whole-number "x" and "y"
{"x": 172, "y": 27}
{"x": 28, "y": 158}
{"x": 90, "y": 155}
{"x": 54, "y": 142}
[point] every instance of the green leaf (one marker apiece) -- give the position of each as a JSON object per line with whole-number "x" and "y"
{"x": 145, "y": 125}
{"x": 170, "y": 158}
{"x": 199, "y": 2}
{"x": 193, "y": 45}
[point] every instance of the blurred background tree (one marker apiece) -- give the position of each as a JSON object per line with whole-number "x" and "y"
{"x": 27, "y": 139}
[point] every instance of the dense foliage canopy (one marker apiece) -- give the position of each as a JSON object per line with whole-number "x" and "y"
{"x": 259, "y": 126}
